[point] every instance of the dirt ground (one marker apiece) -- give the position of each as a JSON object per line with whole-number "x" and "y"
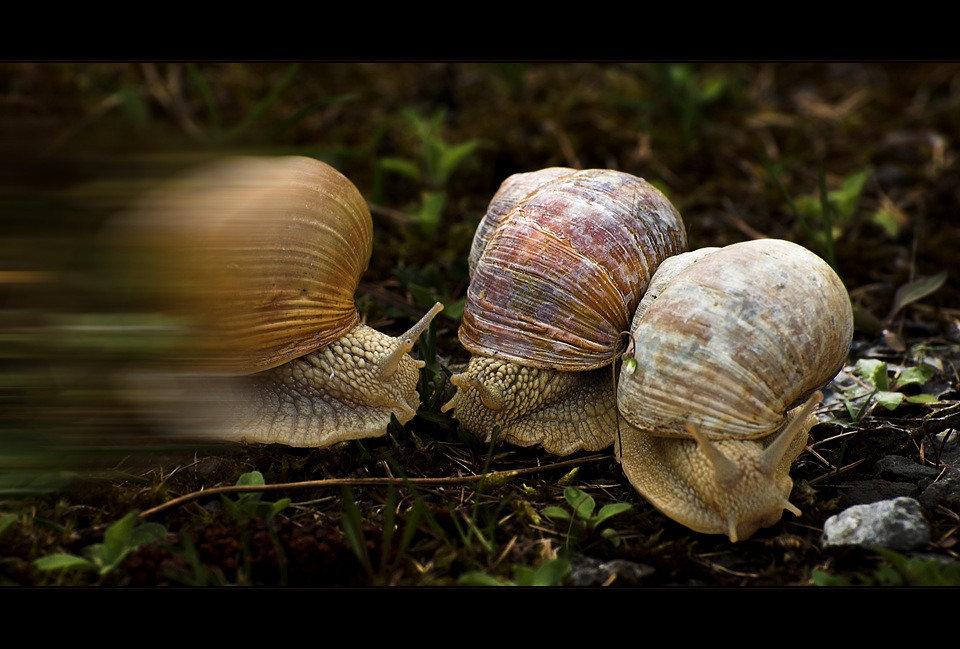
{"x": 743, "y": 150}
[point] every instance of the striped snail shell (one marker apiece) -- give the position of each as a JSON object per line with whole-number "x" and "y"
{"x": 558, "y": 266}
{"x": 260, "y": 258}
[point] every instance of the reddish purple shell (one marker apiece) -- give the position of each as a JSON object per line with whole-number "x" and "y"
{"x": 513, "y": 190}
{"x": 562, "y": 274}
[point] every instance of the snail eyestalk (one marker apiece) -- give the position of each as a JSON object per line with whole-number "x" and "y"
{"x": 725, "y": 469}
{"x": 751, "y": 489}
{"x": 490, "y": 396}
{"x": 775, "y": 452}
{"x": 390, "y": 362}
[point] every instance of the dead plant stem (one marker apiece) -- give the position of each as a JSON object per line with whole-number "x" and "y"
{"x": 339, "y": 482}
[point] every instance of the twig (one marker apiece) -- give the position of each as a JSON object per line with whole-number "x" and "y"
{"x": 834, "y": 472}
{"x": 339, "y": 482}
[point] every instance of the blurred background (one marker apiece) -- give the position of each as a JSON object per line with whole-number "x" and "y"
{"x": 855, "y": 160}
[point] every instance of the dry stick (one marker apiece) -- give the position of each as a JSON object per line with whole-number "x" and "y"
{"x": 834, "y": 471}
{"x": 338, "y": 482}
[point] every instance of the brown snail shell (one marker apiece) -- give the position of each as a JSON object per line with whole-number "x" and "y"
{"x": 259, "y": 259}
{"x": 728, "y": 343}
{"x": 261, "y": 256}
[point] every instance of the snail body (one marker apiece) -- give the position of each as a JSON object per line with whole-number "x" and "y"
{"x": 259, "y": 259}
{"x": 729, "y": 342}
{"x": 558, "y": 265}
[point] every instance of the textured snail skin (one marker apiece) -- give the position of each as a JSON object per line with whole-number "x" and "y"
{"x": 558, "y": 266}
{"x": 678, "y": 478}
{"x": 563, "y": 411}
{"x": 335, "y": 394}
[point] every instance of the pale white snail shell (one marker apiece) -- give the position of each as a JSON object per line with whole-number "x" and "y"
{"x": 727, "y": 342}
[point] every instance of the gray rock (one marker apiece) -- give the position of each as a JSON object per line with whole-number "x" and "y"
{"x": 864, "y": 492}
{"x": 900, "y": 469}
{"x": 896, "y": 524}
{"x": 586, "y": 571}
{"x": 949, "y": 441}
{"x": 945, "y": 491}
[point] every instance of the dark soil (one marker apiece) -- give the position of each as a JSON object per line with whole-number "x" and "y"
{"x": 79, "y": 141}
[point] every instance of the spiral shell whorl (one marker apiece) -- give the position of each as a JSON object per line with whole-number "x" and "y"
{"x": 262, "y": 255}
{"x": 562, "y": 274}
{"x": 513, "y": 190}
{"x": 732, "y": 338}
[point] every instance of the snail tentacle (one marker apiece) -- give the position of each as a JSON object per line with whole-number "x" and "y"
{"x": 405, "y": 343}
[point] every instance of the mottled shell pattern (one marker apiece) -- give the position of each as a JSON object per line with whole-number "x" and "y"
{"x": 556, "y": 277}
{"x": 728, "y": 339}
{"x": 262, "y": 256}
{"x": 513, "y": 190}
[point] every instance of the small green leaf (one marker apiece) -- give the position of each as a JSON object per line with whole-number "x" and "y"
{"x": 845, "y": 198}
{"x": 853, "y": 413}
{"x": 431, "y": 209}
{"x": 551, "y": 573}
{"x": 233, "y": 511}
{"x": 712, "y": 88}
{"x": 524, "y": 576}
{"x": 453, "y": 156}
{"x": 608, "y": 511}
{"x": 915, "y": 375}
{"x": 922, "y": 398}
{"x": 254, "y": 478}
{"x": 583, "y": 504}
{"x": 63, "y": 562}
{"x": 916, "y": 290}
{"x": 611, "y": 535}
{"x": 116, "y": 539}
{"x": 146, "y": 533}
{"x": 476, "y": 578}
{"x": 821, "y": 578}
{"x": 120, "y": 539}
{"x": 874, "y": 372}
{"x": 556, "y": 512}
{"x": 279, "y": 506}
{"x": 889, "y": 400}
{"x": 401, "y": 167}
{"x": 890, "y": 221}
{"x": 454, "y": 311}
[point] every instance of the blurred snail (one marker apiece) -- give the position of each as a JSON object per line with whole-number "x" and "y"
{"x": 728, "y": 343}
{"x": 558, "y": 266}
{"x": 259, "y": 259}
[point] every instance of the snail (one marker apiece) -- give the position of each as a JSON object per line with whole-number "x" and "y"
{"x": 259, "y": 259}
{"x": 558, "y": 266}
{"x": 728, "y": 342}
